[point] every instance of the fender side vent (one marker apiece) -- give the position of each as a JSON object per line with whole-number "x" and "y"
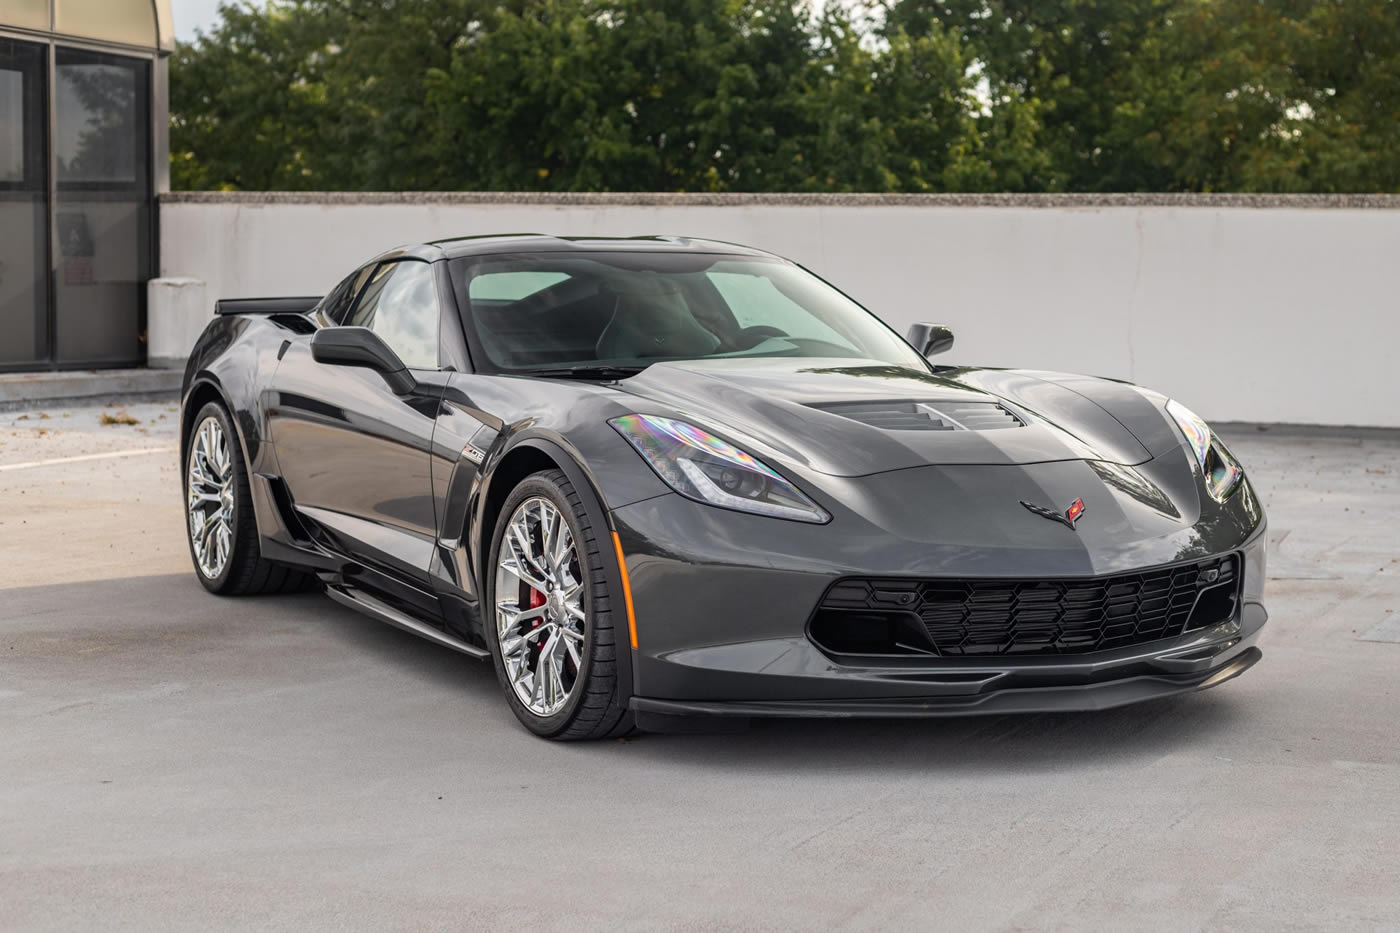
{"x": 282, "y": 499}
{"x": 293, "y": 322}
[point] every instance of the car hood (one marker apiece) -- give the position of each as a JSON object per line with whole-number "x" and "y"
{"x": 856, "y": 418}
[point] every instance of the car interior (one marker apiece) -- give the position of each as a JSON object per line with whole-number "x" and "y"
{"x": 583, "y": 312}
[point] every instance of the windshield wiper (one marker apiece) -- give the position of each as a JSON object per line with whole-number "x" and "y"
{"x": 587, "y": 372}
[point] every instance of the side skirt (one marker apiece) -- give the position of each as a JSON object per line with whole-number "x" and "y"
{"x": 362, "y": 601}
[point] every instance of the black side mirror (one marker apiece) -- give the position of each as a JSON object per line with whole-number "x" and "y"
{"x": 360, "y": 346}
{"x": 929, "y": 339}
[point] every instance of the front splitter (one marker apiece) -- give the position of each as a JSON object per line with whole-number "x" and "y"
{"x": 1056, "y": 699}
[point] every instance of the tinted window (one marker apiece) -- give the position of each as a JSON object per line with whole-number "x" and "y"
{"x": 24, "y": 229}
{"x": 756, "y": 302}
{"x": 400, "y": 305}
{"x": 100, "y": 121}
{"x": 511, "y": 286}
{"x": 337, "y": 304}
{"x": 102, "y": 142}
{"x": 551, "y": 310}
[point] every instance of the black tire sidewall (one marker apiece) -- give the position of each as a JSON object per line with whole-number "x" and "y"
{"x": 542, "y": 486}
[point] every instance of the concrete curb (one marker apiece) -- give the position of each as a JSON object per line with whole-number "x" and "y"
{"x": 87, "y": 387}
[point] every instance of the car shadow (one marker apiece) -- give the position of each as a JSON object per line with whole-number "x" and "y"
{"x": 135, "y": 614}
{"x": 972, "y": 744}
{"x": 1001, "y": 743}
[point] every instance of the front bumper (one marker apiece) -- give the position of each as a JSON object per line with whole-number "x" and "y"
{"x": 723, "y": 600}
{"x": 1120, "y": 689}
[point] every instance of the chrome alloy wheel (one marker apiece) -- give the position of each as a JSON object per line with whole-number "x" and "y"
{"x": 209, "y": 498}
{"x": 539, "y": 606}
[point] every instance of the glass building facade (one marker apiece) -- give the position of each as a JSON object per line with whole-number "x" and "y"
{"x": 83, "y": 151}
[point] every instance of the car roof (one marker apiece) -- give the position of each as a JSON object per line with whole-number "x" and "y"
{"x": 488, "y": 244}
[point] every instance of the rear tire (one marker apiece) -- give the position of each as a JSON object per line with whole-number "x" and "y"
{"x": 532, "y": 624}
{"x": 219, "y": 522}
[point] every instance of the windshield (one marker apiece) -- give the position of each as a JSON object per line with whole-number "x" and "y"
{"x": 559, "y": 311}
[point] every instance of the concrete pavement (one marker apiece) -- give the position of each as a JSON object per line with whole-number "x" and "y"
{"x": 172, "y": 760}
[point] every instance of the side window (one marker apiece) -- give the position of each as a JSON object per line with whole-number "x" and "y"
{"x": 336, "y": 305}
{"x": 400, "y": 305}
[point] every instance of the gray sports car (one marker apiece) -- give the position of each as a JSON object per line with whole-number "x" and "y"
{"x": 658, "y": 478}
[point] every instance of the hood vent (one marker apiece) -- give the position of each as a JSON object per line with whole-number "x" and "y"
{"x": 910, "y": 415}
{"x": 978, "y": 416}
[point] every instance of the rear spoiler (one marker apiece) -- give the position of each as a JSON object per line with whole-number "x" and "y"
{"x": 264, "y": 305}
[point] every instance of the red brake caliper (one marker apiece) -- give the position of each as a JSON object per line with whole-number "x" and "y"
{"x": 536, "y": 601}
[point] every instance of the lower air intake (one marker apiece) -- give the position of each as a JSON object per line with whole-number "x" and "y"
{"x": 988, "y": 617}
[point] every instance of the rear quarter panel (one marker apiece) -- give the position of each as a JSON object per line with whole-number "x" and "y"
{"x": 235, "y": 358}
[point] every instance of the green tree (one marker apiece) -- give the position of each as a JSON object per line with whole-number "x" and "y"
{"x": 894, "y": 119}
{"x": 627, "y": 95}
{"x": 246, "y": 101}
{"x": 1343, "y": 132}
{"x": 1061, "y": 64}
{"x": 1188, "y": 95}
{"x": 763, "y": 95}
{"x": 314, "y": 94}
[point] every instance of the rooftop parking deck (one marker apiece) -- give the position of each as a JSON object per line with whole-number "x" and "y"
{"x": 171, "y": 758}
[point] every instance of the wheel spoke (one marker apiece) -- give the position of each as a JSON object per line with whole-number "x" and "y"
{"x": 520, "y": 547}
{"x": 557, "y": 544}
{"x": 221, "y": 452}
{"x": 557, "y": 648}
{"x": 512, "y": 615}
{"x": 206, "y": 448}
{"x": 540, "y": 694}
{"x": 221, "y": 540}
{"x": 573, "y": 648}
{"x": 211, "y": 525}
{"x": 512, "y": 565}
{"x": 511, "y": 644}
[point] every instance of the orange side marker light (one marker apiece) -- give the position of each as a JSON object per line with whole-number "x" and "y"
{"x": 626, "y": 590}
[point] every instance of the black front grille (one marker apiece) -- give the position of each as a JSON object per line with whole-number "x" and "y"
{"x": 978, "y": 617}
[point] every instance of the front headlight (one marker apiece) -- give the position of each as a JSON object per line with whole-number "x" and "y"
{"x": 1222, "y": 471}
{"x": 705, "y": 468}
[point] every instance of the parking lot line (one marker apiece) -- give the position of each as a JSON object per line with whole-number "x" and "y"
{"x": 102, "y": 456}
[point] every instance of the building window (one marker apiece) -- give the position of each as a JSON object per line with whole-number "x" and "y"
{"x": 24, "y": 326}
{"x": 103, "y": 215}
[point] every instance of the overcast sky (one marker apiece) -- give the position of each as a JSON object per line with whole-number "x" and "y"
{"x": 196, "y": 14}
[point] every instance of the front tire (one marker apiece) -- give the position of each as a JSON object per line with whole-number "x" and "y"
{"x": 549, "y": 614}
{"x": 219, "y": 521}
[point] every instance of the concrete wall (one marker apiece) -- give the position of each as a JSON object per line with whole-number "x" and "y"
{"x": 1247, "y": 309}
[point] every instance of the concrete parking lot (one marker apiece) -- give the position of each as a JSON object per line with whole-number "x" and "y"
{"x": 172, "y": 760}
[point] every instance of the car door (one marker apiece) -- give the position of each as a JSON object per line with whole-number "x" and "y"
{"x": 354, "y": 455}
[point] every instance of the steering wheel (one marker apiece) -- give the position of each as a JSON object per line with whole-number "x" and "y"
{"x": 752, "y": 336}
